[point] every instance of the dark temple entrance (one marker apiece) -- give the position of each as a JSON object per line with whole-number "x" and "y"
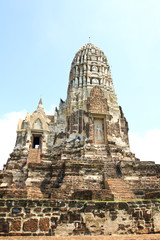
{"x": 36, "y": 142}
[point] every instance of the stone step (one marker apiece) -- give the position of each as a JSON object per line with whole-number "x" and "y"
{"x": 34, "y": 192}
{"x": 120, "y": 189}
{"x": 34, "y": 156}
{"x": 111, "y": 169}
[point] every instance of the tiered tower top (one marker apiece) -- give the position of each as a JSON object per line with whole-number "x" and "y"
{"x": 89, "y": 67}
{"x": 87, "y": 52}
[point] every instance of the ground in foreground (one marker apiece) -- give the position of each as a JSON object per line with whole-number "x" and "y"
{"x": 115, "y": 237}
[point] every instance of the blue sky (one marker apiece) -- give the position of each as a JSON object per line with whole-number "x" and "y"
{"x": 38, "y": 41}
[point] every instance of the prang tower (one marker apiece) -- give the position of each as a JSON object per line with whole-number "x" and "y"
{"x": 82, "y": 151}
{"x": 90, "y": 112}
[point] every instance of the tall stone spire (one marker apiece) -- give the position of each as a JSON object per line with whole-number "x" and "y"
{"x": 91, "y": 106}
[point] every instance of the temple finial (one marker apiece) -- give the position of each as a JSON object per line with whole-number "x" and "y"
{"x": 40, "y": 104}
{"x": 40, "y": 101}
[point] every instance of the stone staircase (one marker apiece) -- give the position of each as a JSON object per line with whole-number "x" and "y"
{"x": 96, "y": 151}
{"x": 110, "y": 169}
{"x": 100, "y": 153}
{"x": 109, "y": 164}
{"x": 34, "y": 156}
{"x": 120, "y": 189}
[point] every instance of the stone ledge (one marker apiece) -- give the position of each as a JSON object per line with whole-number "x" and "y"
{"x": 115, "y": 237}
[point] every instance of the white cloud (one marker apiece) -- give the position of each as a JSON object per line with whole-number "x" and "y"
{"x": 8, "y": 126}
{"x": 51, "y": 110}
{"x": 146, "y": 148}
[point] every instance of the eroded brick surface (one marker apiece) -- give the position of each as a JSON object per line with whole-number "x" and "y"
{"x": 30, "y": 225}
{"x": 16, "y": 225}
{"x": 44, "y": 224}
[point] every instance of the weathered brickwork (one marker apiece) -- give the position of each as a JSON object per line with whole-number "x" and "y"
{"x": 62, "y": 218}
{"x": 82, "y": 172}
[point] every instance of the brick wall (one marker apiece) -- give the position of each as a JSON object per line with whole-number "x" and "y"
{"x": 42, "y": 217}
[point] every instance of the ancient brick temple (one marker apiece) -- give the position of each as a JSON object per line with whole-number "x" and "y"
{"x": 82, "y": 151}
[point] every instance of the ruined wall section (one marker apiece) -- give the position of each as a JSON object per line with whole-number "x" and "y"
{"x": 143, "y": 177}
{"x": 69, "y": 218}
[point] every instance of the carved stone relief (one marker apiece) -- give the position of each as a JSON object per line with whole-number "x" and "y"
{"x": 38, "y": 124}
{"x": 97, "y": 103}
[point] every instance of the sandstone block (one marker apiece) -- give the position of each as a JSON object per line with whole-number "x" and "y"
{"x": 4, "y": 209}
{"x": 44, "y": 224}
{"x": 4, "y": 227}
{"x": 30, "y": 225}
{"x": 47, "y": 210}
{"x": 37, "y": 210}
{"x": 16, "y": 225}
